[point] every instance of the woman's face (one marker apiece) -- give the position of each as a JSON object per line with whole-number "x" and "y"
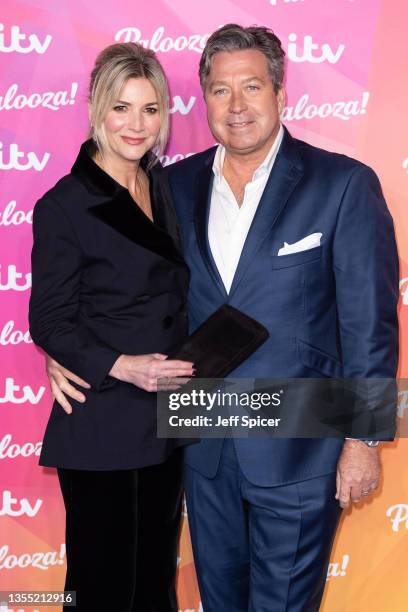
{"x": 133, "y": 123}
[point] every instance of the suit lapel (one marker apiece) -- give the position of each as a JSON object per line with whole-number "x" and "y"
{"x": 202, "y": 212}
{"x": 285, "y": 175}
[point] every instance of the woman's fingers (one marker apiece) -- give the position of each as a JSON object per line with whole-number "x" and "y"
{"x": 171, "y": 383}
{"x": 76, "y": 379}
{"x": 177, "y": 363}
{"x": 65, "y": 388}
{"x": 60, "y": 397}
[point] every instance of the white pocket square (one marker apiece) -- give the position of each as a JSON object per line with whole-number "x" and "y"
{"x": 309, "y": 242}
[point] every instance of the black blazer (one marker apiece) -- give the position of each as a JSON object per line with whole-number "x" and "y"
{"x": 106, "y": 281}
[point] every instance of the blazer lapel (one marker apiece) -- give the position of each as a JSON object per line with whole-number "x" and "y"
{"x": 202, "y": 212}
{"x": 123, "y": 215}
{"x": 119, "y": 211}
{"x": 285, "y": 175}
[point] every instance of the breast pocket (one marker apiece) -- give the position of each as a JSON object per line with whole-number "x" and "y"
{"x": 296, "y": 259}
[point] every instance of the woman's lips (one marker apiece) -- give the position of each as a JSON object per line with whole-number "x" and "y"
{"x": 133, "y": 141}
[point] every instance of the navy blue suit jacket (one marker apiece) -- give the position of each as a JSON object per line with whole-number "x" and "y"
{"x": 330, "y": 310}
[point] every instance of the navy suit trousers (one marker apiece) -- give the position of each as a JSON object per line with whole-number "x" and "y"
{"x": 260, "y": 549}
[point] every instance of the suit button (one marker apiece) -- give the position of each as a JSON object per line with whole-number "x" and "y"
{"x": 168, "y": 321}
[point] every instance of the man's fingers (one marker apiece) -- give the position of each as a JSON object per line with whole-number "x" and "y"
{"x": 344, "y": 494}
{"x": 60, "y": 397}
{"x": 356, "y": 493}
{"x": 337, "y": 485}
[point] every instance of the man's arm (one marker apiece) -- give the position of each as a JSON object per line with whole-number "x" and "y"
{"x": 365, "y": 263}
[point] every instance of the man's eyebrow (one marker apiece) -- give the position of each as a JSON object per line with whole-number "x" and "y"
{"x": 247, "y": 79}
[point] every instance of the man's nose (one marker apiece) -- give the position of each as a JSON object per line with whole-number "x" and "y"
{"x": 237, "y": 102}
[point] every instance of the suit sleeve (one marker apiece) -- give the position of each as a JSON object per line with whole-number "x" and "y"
{"x": 366, "y": 272}
{"x": 55, "y": 324}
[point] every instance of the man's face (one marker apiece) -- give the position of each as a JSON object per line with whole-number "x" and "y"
{"x": 242, "y": 106}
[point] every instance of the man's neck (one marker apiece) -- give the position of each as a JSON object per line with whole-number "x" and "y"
{"x": 244, "y": 164}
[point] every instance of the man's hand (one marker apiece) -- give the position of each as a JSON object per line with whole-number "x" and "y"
{"x": 145, "y": 370}
{"x": 358, "y": 472}
{"x": 59, "y": 377}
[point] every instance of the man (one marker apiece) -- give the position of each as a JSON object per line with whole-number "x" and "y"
{"x": 263, "y": 513}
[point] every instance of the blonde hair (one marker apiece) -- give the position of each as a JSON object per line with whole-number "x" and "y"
{"x": 114, "y": 66}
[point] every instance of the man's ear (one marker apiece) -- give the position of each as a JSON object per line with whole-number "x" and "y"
{"x": 281, "y": 97}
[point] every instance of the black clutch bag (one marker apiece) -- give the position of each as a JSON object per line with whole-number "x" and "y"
{"x": 222, "y": 342}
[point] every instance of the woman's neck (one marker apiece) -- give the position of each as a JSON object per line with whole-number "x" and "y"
{"x": 123, "y": 172}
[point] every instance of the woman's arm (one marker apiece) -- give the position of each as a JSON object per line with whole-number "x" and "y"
{"x": 141, "y": 370}
{"x": 57, "y": 262}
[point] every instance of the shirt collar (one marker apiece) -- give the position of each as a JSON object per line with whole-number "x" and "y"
{"x": 264, "y": 168}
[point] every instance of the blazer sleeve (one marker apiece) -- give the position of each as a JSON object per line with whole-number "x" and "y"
{"x": 365, "y": 261}
{"x": 55, "y": 324}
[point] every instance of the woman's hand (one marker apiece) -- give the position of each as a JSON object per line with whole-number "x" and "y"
{"x": 59, "y": 377}
{"x": 145, "y": 370}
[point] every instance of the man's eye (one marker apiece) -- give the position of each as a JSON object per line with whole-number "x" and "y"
{"x": 219, "y": 92}
{"x": 253, "y": 87}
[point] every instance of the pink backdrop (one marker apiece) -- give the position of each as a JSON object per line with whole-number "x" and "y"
{"x": 346, "y": 91}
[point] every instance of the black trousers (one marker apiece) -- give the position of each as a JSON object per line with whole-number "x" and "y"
{"x": 122, "y": 532}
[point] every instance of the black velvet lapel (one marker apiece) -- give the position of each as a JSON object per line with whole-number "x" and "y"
{"x": 120, "y": 212}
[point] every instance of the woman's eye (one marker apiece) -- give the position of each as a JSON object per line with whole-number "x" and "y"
{"x": 151, "y": 110}
{"x": 119, "y": 108}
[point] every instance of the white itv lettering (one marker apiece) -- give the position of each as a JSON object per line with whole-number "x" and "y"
{"x": 28, "y": 395}
{"x": 11, "y": 506}
{"x": 312, "y": 52}
{"x": 18, "y": 41}
{"x": 180, "y": 107}
{"x": 14, "y": 157}
{"x": 12, "y": 277}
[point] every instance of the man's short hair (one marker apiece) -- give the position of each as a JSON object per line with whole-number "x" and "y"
{"x": 233, "y": 37}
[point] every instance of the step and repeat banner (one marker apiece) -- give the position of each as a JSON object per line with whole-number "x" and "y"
{"x": 346, "y": 91}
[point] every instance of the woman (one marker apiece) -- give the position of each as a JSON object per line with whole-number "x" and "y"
{"x": 108, "y": 302}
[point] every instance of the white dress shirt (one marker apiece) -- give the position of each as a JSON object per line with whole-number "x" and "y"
{"x": 228, "y": 223}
